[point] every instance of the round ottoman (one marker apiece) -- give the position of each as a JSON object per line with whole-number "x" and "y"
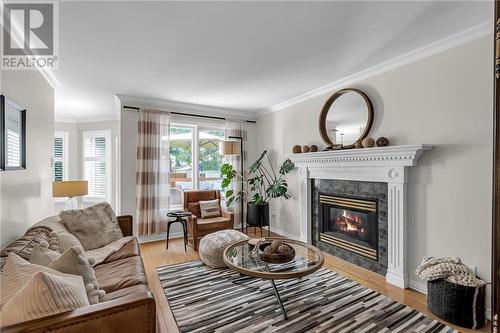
{"x": 212, "y": 246}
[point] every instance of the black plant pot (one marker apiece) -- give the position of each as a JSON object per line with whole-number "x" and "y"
{"x": 257, "y": 215}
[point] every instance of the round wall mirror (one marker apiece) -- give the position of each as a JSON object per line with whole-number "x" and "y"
{"x": 346, "y": 117}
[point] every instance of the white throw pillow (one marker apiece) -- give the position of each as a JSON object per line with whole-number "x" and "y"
{"x": 94, "y": 226}
{"x": 70, "y": 262}
{"x": 16, "y": 273}
{"x": 210, "y": 208}
{"x": 43, "y": 295}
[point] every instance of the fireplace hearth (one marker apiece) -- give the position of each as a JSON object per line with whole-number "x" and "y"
{"x": 350, "y": 223}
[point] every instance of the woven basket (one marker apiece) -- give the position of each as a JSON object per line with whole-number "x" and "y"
{"x": 457, "y": 304}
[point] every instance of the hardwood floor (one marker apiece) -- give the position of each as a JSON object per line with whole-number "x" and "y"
{"x": 155, "y": 254}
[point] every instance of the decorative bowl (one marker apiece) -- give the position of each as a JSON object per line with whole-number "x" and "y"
{"x": 276, "y": 258}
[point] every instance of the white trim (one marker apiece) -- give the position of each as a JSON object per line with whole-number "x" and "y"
{"x": 109, "y": 165}
{"x": 404, "y": 155}
{"x": 284, "y": 233}
{"x": 384, "y": 164}
{"x": 174, "y": 106}
{"x": 465, "y": 36}
{"x": 162, "y": 236}
{"x": 421, "y": 287}
{"x": 64, "y": 135}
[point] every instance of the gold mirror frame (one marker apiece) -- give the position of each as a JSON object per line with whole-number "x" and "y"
{"x": 326, "y": 109}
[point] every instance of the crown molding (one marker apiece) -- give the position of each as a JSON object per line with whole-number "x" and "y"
{"x": 465, "y": 36}
{"x": 169, "y": 105}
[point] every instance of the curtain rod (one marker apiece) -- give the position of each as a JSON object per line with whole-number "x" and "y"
{"x": 189, "y": 115}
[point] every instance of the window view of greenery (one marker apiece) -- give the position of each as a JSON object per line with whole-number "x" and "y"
{"x": 181, "y": 161}
{"x": 210, "y": 159}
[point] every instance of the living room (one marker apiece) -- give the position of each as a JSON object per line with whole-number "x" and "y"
{"x": 249, "y": 166}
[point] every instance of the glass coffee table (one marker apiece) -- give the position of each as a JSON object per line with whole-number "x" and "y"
{"x": 308, "y": 259}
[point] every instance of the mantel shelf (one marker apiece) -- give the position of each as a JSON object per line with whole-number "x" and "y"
{"x": 379, "y": 164}
{"x": 406, "y": 155}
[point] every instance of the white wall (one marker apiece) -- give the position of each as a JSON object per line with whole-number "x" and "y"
{"x": 72, "y": 146}
{"x": 446, "y": 100}
{"x": 26, "y": 195}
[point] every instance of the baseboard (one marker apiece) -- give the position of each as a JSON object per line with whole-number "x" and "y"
{"x": 418, "y": 286}
{"x": 284, "y": 233}
{"x": 162, "y": 236}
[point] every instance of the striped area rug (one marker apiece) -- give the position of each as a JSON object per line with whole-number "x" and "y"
{"x": 203, "y": 299}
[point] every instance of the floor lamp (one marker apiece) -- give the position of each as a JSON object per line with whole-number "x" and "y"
{"x": 235, "y": 148}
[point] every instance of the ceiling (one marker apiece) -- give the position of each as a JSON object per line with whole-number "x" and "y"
{"x": 235, "y": 55}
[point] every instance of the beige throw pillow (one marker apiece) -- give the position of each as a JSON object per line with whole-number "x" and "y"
{"x": 62, "y": 241}
{"x": 94, "y": 226}
{"x": 70, "y": 262}
{"x": 41, "y": 255}
{"x": 43, "y": 295}
{"x": 16, "y": 273}
{"x": 210, "y": 208}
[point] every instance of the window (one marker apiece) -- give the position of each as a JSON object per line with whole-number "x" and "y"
{"x": 195, "y": 161}
{"x": 60, "y": 156}
{"x": 210, "y": 160}
{"x": 97, "y": 164}
{"x": 181, "y": 163}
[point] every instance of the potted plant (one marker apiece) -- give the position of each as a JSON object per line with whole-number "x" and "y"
{"x": 262, "y": 185}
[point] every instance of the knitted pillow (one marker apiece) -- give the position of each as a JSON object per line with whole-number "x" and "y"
{"x": 43, "y": 295}
{"x": 94, "y": 226}
{"x": 210, "y": 208}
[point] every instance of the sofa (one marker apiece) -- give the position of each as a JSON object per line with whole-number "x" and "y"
{"x": 198, "y": 226}
{"x": 127, "y": 306}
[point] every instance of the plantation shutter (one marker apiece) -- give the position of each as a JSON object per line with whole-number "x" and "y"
{"x": 58, "y": 159}
{"x": 60, "y": 156}
{"x": 13, "y": 138}
{"x": 97, "y": 164}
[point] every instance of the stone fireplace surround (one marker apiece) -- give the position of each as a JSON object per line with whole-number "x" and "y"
{"x": 366, "y": 190}
{"x": 389, "y": 165}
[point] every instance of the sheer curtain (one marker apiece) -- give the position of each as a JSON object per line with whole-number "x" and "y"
{"x": 153, "y": 166}
{"x": 236, "y": 130}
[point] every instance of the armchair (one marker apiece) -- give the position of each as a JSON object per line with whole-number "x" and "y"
{"x": 199, "y": 227}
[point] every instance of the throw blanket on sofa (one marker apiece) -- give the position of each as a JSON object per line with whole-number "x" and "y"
{"x": 102, "y": 253}
{"x": 448, "y": 268}
{"x": 53, "y": 223}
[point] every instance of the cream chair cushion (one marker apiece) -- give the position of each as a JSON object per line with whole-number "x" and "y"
{"x": 212, "y": 246}
{"x": 210, "y": 208}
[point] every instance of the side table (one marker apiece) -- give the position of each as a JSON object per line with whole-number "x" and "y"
{"x": 180, "y": 217}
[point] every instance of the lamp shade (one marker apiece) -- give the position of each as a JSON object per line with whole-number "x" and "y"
{"x": 230, "y": 148}
{"x": 73, "y": 188}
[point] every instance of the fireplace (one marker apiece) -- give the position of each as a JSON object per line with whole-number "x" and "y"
{"x": 350, "y": 223}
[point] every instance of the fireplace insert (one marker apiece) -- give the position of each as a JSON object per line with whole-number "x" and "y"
{"x": 350, "y": 223}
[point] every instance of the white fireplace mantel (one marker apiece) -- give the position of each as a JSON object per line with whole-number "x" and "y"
{"x": 381, "y": 164}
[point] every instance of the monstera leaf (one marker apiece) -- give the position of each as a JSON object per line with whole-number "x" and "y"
{"x": 257, "y": 164}
{"x": 278, "y": 189}
{"x": 263, "y": 185}
{"x": 287, "y": 166}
